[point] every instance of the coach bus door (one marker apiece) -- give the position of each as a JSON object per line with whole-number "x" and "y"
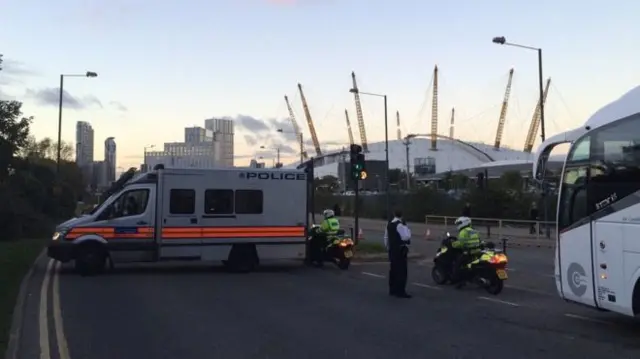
{"x": 575, "y": 243}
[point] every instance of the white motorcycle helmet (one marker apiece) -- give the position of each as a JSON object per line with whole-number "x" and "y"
{"x": 463, "y": 222}
{"x": 328, "y": 213}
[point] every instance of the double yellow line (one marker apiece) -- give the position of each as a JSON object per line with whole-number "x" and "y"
{"x": 51, "y": 276}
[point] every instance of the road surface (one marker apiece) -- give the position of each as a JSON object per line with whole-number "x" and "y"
{"x": 289, "y": 311}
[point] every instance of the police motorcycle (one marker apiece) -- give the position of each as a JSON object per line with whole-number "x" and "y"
{"x": 486, "y": 269}
{"x": 338, "y": 249}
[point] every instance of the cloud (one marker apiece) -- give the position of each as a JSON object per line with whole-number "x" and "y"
{"x": 287, "y": 150}
{"x": 50, "y": 96}
{"x": 261, "y": 132}
{"x": 250, "y": 123}
{"x": 118, "y": 106}
{"x": 11, "y": 71}
{"x": 282, "y": 2}
{"x": 250, "y": 140}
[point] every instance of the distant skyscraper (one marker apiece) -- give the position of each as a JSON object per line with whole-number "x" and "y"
{"x": 223, "y": 132}
{"x": 84, "y": 144}
{"x": 110, "y": 159}
{"x": 195, "y": 135}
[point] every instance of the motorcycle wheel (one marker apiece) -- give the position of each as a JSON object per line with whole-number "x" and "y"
{"x": 439, "y": 276}
{"x": 495, "y": 285}
{"x": 344, "y": 263}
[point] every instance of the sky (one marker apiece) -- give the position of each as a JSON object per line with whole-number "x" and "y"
{"x": 165, "y": 64}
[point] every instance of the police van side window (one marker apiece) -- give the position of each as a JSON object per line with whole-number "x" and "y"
{"x": 182, "y": 201}
{"x": 573, "y": 202}
{"x": 249, "y": 201}
{"x": 218, "y": 201}
{"x": 615, "y": 163}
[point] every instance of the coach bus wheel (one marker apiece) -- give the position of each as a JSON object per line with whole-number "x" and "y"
{"x": 90, "y": 259}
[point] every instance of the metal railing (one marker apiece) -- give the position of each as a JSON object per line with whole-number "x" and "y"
{"x": 497, "y": 228}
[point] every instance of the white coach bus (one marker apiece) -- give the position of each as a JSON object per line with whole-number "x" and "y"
{"x": 597, "y": 259}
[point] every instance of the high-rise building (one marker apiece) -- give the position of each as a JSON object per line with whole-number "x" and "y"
{"x": 84, "y": 144}
{"x": 223, "y": 133}
{"x": 84, "y": 149}
{"x": 99, "y": 176}
{"x": 110, "y": 159}
{"x": 195, "y": 134}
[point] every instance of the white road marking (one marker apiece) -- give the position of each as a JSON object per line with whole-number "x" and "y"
{"x": 533, "y": 291}
{"x": 499, "y": 301}
{"x": 426, "y": 286}
{"x": 43, "y": 322}
{"x": 369, "y": 263}
{"x": 61, "y": 340}
{"x": 373, "y": 275}
{"x": 580, "y": 317}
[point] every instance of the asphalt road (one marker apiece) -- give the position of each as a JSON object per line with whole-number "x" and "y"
{"x": 288, "y": 311}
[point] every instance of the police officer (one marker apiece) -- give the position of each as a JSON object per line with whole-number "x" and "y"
{"x": 397, "y": 238}
{"x": 468, "y": 243}
{"x": 328, "y": 228}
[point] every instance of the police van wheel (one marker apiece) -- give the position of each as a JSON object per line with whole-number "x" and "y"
{"x": 90, "y": 259}
{"x": 243, "y": 258}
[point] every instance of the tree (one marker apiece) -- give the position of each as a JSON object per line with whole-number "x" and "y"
{"x": 14, "y": 133}
{"x": 395, "y": 175}
{"x": 512, "y": 180}
{"x": 35, "y": 195}
{"x": 326, "y": 182}
{"x": 46, "y": 148}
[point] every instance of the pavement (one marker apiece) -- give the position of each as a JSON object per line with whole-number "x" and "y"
{"x": 286, "y": 310}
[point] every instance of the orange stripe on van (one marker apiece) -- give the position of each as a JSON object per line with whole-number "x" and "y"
{"x": 111, "y": 232}
{"x": 232, "y": 232}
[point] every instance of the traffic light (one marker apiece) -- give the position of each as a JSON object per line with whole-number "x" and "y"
{"x": 357, "y": 162}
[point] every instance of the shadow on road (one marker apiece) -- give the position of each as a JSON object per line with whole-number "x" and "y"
{"x": 189, "y": 268}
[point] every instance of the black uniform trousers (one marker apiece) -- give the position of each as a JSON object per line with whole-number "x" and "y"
{"x": 398, "y": 270}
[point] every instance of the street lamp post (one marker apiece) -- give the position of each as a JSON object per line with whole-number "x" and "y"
{"x": 301, "y": 141}
{"x": 62, "y": 76}
{"x": 386, "y": 146}
{"x": 501, "y": 40}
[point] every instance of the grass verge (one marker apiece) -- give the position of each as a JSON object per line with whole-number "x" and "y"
{"x": 370, "y": 248}
{"x": 16, "y": 257}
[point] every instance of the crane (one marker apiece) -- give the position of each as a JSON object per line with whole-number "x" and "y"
{"x": 453, "y": 116}
{"x": 398, "y": 124}
{"x": 535, "y": 121}
{"x": 503, "y": 112}
{"x": 434, "y": 111}
{"x": 296, "y": 128}
{"x": 356, "y": 96}
{"x": 346, "y": 115}
{"x": 312, "y": 128}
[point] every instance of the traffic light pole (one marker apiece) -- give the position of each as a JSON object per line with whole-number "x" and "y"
{"x": 356, "y": 211}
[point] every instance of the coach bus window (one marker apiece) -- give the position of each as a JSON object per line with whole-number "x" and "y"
{"x": 249, "y": 201}
{"x": 182, "y": 201}
{"x": 218, "y": 201}
{"x": 574, "y": 185}
{"x": 617, "y": 154}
